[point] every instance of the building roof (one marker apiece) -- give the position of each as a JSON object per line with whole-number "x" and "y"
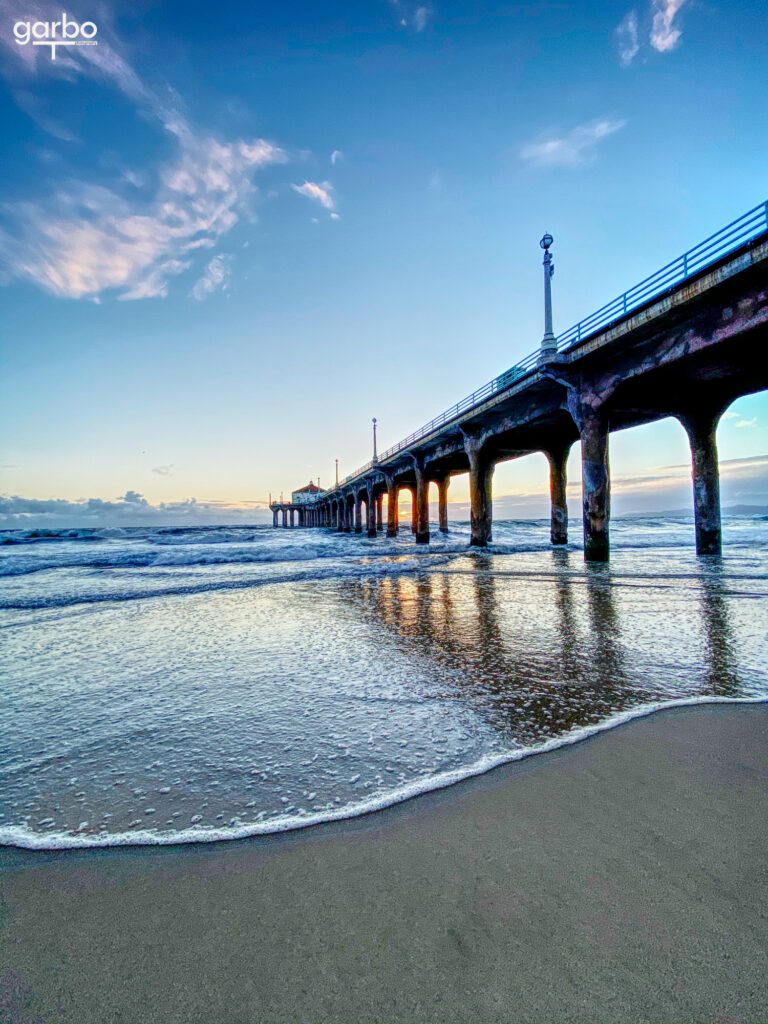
{"x": 309, "y": 489}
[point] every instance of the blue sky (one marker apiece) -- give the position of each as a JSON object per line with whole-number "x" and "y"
{"x": 231, "y": 235}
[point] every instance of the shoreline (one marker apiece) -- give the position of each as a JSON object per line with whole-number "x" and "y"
{"x": 621, "y": 878}
{"x": 417, "y": 789}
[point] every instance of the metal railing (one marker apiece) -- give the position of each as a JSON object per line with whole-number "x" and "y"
{"x": 729, "y": 238}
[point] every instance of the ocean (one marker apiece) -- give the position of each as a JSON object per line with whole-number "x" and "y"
{"x": 199, "y": 684}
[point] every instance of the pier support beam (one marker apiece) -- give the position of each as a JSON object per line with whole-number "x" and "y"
{"x": 701, "y": 428}
{"x": 339, "y": 517}
{"x": 285, "y": 518}
{"x": 370, "y": 513}
{"x": 595, "y": 486}
{"x": 274, "y": 517}
{"x": 392, "y": 509}
{"x": 293, "y": 518}
{"x": 348, "y": 515}
{"x": 558, "y": 520}
{"x": 379, "y": 512}
{"x": 421, "y": 503}
{"x": 442, "y": 504}
{"x": 480, "y": 482}
{"x": 358, "y": 514}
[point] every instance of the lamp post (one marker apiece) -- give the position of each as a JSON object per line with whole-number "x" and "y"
{"x": 549, "y": 341}
{"x": 375, "y": 456}
{"x": 337, "y": 472}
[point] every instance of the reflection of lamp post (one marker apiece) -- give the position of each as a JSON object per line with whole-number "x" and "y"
{"x": 337, "y": 472}
{"x": 549, "y": 341}
{"x": 375, "y": 456}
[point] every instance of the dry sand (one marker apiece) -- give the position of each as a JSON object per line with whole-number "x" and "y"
{"x": 622, "y": 879}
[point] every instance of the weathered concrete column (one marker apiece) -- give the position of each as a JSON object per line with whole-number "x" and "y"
{"x": 701, "y": 428}
{"x": 358, "y": 514}
{"x": 348, "y": 516}
{"x": 442, "y": 504}
{"x": 339, "y": 517}
{"x": 421, "y": 503}
{"x": 293, "y": 520}
{"x": 370, "y": 513}
{"x": 392, "y": 510}
{"x": 481, "y": 506}
{"x": 285, "y": 518}
{"x": 595, "y": 486}
{"x": 274, "y": 517}
{"x": 379, "y": 512}
{"x": 558, "y": 518}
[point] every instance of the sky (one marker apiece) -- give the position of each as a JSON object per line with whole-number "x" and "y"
{"x": 232, "y": 234}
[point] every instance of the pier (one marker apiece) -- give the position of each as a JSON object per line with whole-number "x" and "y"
{"x": 686, "y": 343}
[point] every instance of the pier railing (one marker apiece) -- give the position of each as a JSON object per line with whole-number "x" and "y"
{"x": 724, "y": 241}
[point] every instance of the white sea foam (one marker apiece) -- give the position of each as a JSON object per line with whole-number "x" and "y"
{"x": 20, "y": 836}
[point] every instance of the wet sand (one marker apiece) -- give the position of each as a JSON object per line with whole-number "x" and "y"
{"x": 621, "y": 879}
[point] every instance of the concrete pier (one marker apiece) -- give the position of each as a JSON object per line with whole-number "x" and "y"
{"x": 481, "y": 469}
{"x": 686, "y": 351}
{"x": 701, "y": 428}
{"x": 596, "y": 486}
{"x": 442, "y": 504}
{"x": 558, "y": 520}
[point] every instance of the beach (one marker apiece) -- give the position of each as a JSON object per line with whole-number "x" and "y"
{"x": 622, "y": 878}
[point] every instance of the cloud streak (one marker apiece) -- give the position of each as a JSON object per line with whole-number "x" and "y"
{"x": 319, "y": 193}
{"x": 627, "y": 38}
{"x": 575, "y": 148}
{"x": 665, "y": 35}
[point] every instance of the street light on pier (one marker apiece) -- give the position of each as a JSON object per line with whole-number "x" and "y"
{"x": 337, "y": 472}
{"x": 549, "y": 341}
{"x": 375, "y": 456}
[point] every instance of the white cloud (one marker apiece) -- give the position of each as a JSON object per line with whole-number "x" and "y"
{"x": 627, "y": 39}
{"x": 216, "y": 276}
{"x": 420, "y": 19}
{"x": 132, "y": 509}
{"x": 664, "y": 34}
{"x": 320, "y": 193}
{"x": 85, "y": 238}
{"x": 746, "y": 423}
{"x": 572, "y": 149}
{"x": 336, "y": 155}
{"x": 164, "y": 470}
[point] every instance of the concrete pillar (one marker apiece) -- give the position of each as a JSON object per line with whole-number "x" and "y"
{"x": 339, "y": 517}
{"x": 421, "y": 504}
{"x": 480, "y": 504}
{"x": 285, "y": 518}
{"x": 558, "y": 519}
{"x": 414, "y": 515}
{"x": 595, "y": 486}
{"x": 379, "y": 512}
{"x": 442, "y": 503}
{"x": 701, "y": 428}
{"x": 274, "y": 517}
{"x": 392, "y": 510}
{"x": 348, "y": 515}
{"x": 293, "y": 523}
{"x": 358, "y": 514}
{"x": 370, "y": 514}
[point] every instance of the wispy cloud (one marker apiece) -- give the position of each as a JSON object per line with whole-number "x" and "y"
{"x": 336, "y": 155}
{"x": 627, "y": 38}
{"x": 665, "y": 35}
{"x": 84, "y": 238}
{"x": 570, "y": 149}
{"x": 164, "y": 470}
{"x": 412, "y": 16}
{"x": 321, "y": 193}
{"x": 216, "y": 276}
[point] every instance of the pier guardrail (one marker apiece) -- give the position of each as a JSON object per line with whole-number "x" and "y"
{"x": 724, "y": 241}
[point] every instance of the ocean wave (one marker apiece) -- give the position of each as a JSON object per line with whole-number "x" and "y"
{"x": 25, "y": 838}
